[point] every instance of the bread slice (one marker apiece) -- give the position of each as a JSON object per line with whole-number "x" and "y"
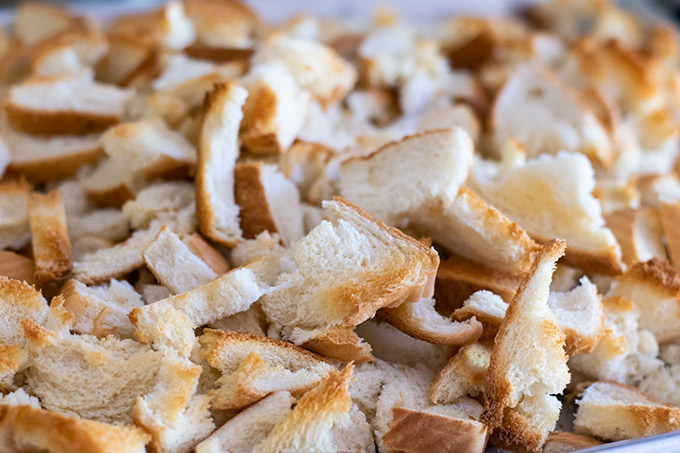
{"x": 613, "y": 411}
{"x": 464, "y": 375}
{"x": 654, "y": 288}
{"x": 223, "y": 24}
{"x": 562, "y": 185}
{"x": 50, "y": 238}
{"x": 250, "y": 426}
{"x": 14, "y": 227}
{"x": 111, "y": 183}
{"x": 521, "y": 379}
{"x": 64, "y": 106}
{"x": 542, "y": 96}
{"x": 174, "y": 265}
{"x": 315, "y": 67}
{"x": 36, "y": 22}
{"x": 268, "y": 202}
{"x": 639, "y": 233}
{"x": 25, "y": 429}
{"x": 421, "y": 321}
{"x": 202, "y": 249}
{"x": 335, "y": 343}
{"x": 350, "y": 247}
{"x": 564, "y": 442}
{"x": 274, "y": 111}
{"x": 217, "y": 211}
{"x": 17, "y": 266}
{"x": 160, "y": 201}
{"x": 101, "y": 310}
{"x": 254, "y": 366}
{"x": 410, "y": 179}
{"x": 487, "y": 308}
{"x": 150, "y": 147}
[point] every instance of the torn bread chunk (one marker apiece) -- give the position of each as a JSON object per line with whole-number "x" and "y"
{"x": 150, "y": 147}
{"x": 105, "y": 224}
{"x": 464, "y": 375}
{"x": 562, "y": 186}
{"x": 613, "y": 411}
{"x": 158, "y": 202}
{"x": 254, "y": 366}
{"x": 50, "y": 238}
{"x": 202, "y": 249}
{"x": 252, "y": 320}
{"x": 264, "y": 244}
{"x": 17, "y": 266}
{"x": 217, "y": 211}
{"x": 19, "y": 301}
{"x": 64, "y": 106}
{"x": 223, "y": 24}
{"x": 335, "y": 343}
{"x": 268, "y": 202}
{"x": 36, "y": 22}
{"x": 101, "y": 310}
{"x": 174, "y": 265}
{"x": 350, "y": 247}
{"x": 639, "y": 233}
{"x": 487, "y": 308}
{"x": 111, "y": 183}
{"x": 565, "y": 442}
{"x": 15, "y": 231}
{"x": 522, "y": 380}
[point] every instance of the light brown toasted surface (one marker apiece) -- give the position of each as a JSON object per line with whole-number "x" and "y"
{"x": 340, "y": 343}
{"x": 250, "y": 195}
{"x": 17, "y": 266}
{"x": 51, "y": 242}
{"x": 563, "y": 442}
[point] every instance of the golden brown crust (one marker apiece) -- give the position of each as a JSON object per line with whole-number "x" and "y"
{"x": 606, "y": 263}
{"x": 250, "y": 195}
{"x": 57, "y": 122}
{"x": 340, "y": 343}
{"x": 658, "y": 273}
{"x": 420, "y": 432}
{"x": 622, "y": 224}
{"x": 670, "y": 219}
{"x": 110, "y": 197}
{"x": 12, "y": 359}
{"x": 17, "y": 267}
{"x": 259, "y": 134}
{"x": 201, "y": 248}
{"x": 563, "y": 442}
{"x": 51, "y": 242}
{"x": 50, "y": 168}
{"x": 218, "y": 54}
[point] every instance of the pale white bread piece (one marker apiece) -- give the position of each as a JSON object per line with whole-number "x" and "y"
{"x": 625, "y": 352}
{"x": 464, "y": 375}
{"x": 487, "y": 308}
{"x": 50, "y": 158}
{"x": 216, "y": 209}
{"x": 150, "y": 147}
{"x": 304, "y": 163}
{"x": 350, "y": 247}
{"x": 106, "y": 224}
{"x": 564, "y": 442}
{"x": 562, "y": 185}
{"x": 159, "y": 201}
{"x": 474, "y": 229}
{"x": 250, "y": 426}
{"x": 84, "y": 245}
{"x": 315, "y": 67}
{"x": 101, "y": 310}
{"x": 410, "y": 179}
{"x": 528, "y": 363}
{"x": 654, "y": 287}
{"x": 223, "y": 24}
{"x": 253, "y": 366}
{"x": 25, "y": 429}
{"x": 111, "y": 183}
{"x": 14, "y": 360}
{"x": 64, "y": 106}
{"x": 50, "y": 237}
{"x": 177, "y": 30}
{"x": 34, "y": 22}
{"x": 268, "y": 202}
{"x": 202, "y": 249}
{"x": 564, "y": 125}
{"x": 614, "y": 411}
{"x": 174, "y": 265}
{"x": 172, "y": 413}
{"x": 335, "y": 343}
{"x": 59, "y": 62}
{"x": 421, "y": 320}
{"x": 154, "y": 293}
{"x": 580, "y": 315}
{"x": 274, "y": 111}
{"x": 264, "y": 244}
{"x": 252, "y": 320}
{"x": 226, "y": 295}
{"x": 14, "y": 228}
{"x": 451, "y": 115}
{"x": 312, "y": 216}
{"x": 640, "y": 234}
{"x": 17, "y": 266}
{"x": 127, "y": 56}
{"x": 167, "y": 106}
{"x": 19, "y": 398}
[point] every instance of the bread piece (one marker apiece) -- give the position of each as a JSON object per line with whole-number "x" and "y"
{"x": 19, "y": 398}
{"x": 207, "y": 253}
{"x": 264, "y": 244}
{"x": 564, "y": 442}
{"x": 411, "y": 179}
{"x": 254, "y": 366}
{"x": 613, "y": 411}
{"x": 105, "y": 224}
{"x": 252, "y": 320}
{"x": 274, "y": 111}
{"x": 314, "y": 66}
{"x": 217, "y": 211}
{"x": 64, "y": 106}
{"x": 250, "y": 426}
{"x": 17, "y": 267}
{"x": 543, "y": 97}
{"x": 670, "y": 215}
{"x": 639, "y": 233}
{"x": 421, "y": 321}
{"x": 111, "y": 183}
{"x": 174, "y": 265}
{"x": 14, "y": 227}
{"x": 126, "y": 57}
{"x": 101, "y": 310}
{"x": 485, "y": 306}
{"x": 223, "y": 24}
{"x": 160, "y": 201}
{"x": 267, "y": 201}
{"x": 521, "y": 380}
{"x": 304, "y": 163}
{"x": 5, "y": 156}
{"x": 464, "y": 375}
{"x": 562, "y": 185}
{"x": 35, "y": 22}
{"x": 154, "y": 293}
{"x": 51, "y": 243}
{"x": 150, "y": 147}
{"x": 25, "y": 429}
{"x": 351, "y": 247}
{"x": 19, "y": 301}
{"x": 654, "y": 287}
{"x": 336, "y": 343}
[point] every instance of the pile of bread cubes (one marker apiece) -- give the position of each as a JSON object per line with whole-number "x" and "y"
{"x": 222, "y": 235}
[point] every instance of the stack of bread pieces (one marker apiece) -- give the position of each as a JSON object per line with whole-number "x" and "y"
{"x": 223, "y": 235}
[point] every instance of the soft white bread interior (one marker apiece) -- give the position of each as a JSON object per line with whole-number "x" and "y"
{"x": 223, "y": 24}
{"x": 485, "y": 306}
{"x": 264, "y": 244}
{"x": 465, "y": 374}
{"x": 161, "y": 200}
{"x": 111, "y": 183}
{"x": 14, "y": 227}
{"x": 19, "y": 301}
{"x": 35, "y": 22}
